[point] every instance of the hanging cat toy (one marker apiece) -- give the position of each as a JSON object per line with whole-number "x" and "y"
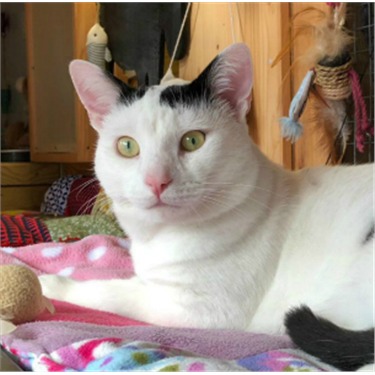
{"x": 96, "y": 44}
{"x": 333, "y": 80}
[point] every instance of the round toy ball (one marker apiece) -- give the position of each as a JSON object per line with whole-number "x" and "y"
{"x": 21, "y": 298}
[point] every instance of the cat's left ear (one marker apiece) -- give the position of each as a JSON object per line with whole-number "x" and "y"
{"x": 231, "y": 78}
{"x": 97, "y": 91}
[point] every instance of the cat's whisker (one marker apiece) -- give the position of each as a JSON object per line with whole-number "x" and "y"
{"x": 222, "y": 194}
{"x": 82, "y": 187}
{"x": 232, "y": 184}
{"x": 85, "y": 206}
{"x": 227, "y": 205}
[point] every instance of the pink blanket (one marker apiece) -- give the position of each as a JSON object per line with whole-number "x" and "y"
{"x": 73, "y": 345}
{"x": 94, "y": 257}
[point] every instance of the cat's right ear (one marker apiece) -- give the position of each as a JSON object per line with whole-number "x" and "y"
{"x": 97, "y": 92}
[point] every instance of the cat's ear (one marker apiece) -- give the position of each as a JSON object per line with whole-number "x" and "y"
{"x": 97, "y": 91}
{"x": 231, "y": 78}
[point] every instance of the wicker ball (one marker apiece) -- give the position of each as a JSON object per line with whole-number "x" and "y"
{"x": 21, "y": 298}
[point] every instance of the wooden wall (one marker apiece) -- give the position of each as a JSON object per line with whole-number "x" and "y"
{"x": 264, "y": 28}
{"x": 23, "y": 185}
{"x": 308, "y": 151}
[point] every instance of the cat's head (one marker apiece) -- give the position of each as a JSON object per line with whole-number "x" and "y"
{"x": 172, "y": 153}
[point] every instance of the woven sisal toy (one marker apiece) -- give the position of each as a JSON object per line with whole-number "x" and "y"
{"x": 333, "y": 81}
{"x": 21, "y": 298}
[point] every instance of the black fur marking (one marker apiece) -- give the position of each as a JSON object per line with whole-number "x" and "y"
{"x": 370, "y": 235}
{"x": 344, "y": 349}
{"x": 128, "y": 94}
{"x": 192, "y": 94}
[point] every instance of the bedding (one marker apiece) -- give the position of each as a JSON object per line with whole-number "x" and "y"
{"x": 20, "y": 230}
{"x": 79, "y": 339}
{"x": 73, "y": 207}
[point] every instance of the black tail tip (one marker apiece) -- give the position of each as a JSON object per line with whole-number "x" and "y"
{"x": 344, "y": 349}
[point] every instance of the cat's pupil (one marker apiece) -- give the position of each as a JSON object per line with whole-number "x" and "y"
{"x": 193, "y": 141}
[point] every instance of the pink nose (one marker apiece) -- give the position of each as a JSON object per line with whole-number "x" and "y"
{"x": 158, "y": 184}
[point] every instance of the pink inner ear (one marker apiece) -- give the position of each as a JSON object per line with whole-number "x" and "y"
{"x": 234, "y": 78}
{"x": 97, "y": 92}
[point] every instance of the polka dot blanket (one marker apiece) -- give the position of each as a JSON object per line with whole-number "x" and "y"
{"x": 80, "y": 339}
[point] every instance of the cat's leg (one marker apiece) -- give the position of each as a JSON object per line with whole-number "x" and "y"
{"x": 128, "y": 297}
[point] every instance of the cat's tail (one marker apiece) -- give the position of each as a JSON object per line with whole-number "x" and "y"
{"x": 344, "y": 349}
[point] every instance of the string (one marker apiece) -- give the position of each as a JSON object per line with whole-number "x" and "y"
{"x": 231, "y": 22}
{"x": 179, "y": 36}
{"x": 98, "y": 13}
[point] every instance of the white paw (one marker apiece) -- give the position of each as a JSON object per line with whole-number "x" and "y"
{"x": 55, "y": 286}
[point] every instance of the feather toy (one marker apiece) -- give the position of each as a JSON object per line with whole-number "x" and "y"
{"x": 333, "y": 80}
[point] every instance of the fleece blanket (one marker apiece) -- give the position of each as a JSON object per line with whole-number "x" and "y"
{"x": 52, "y": 346}
{"x": 79, "y": 339}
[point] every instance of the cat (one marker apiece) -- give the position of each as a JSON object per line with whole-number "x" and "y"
{"x": 221, "y": 236}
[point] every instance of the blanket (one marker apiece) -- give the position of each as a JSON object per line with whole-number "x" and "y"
{"x": 27, "y": 229}
{"x": 52, "y": 346}
{"x": 80, "y": 339}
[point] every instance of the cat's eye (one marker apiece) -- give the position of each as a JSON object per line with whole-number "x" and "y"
{"x": 128, "y": 147}
{"x": 192, "y": 140}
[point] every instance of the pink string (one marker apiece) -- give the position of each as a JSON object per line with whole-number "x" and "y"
{"x": 333, "y": 5}
{"x": 360, "y": 112}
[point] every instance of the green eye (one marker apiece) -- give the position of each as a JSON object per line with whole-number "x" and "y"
{"x": 193, "y": 140}
{"x": 128, "y": 147}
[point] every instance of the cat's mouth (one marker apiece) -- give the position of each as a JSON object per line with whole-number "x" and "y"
{"x": 161, "y": 204}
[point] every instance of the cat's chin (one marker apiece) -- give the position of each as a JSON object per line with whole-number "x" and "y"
{"x": 167, "y": 213}
{"x": 163, "y": 213}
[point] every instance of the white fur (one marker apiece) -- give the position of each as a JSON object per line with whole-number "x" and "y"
{"x": 240, "y": 240}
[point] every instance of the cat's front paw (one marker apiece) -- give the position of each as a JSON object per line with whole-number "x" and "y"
{"x": 55, "y": 286}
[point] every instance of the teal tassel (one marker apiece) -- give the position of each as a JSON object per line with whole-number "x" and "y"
{"x": 291, "y": 129}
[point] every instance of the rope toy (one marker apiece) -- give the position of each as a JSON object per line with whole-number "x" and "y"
{"x": 333, "y": 80}
{"x": 21, "y": 298}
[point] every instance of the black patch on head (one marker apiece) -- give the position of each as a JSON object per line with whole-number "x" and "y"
{"x": 344, "y": 349}
{"x": 370, "y": 235}
{"x": 128, "y": 94}
{"x": 191, "y": 94}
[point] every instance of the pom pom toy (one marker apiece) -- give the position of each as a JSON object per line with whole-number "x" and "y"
{"x": 21, "y": 298}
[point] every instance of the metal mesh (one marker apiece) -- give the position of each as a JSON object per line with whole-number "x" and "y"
{"x": 361, "y": 24}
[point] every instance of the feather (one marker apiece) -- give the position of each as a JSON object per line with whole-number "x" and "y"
{"x": 330, "y": 59}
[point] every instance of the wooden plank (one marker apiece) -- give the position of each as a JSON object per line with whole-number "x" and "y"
{"x": 22, "y": 198}
{"x": 85, "y": 16}
{"x": 65, "y": 140}
{"x": 51, "y": 93}
{"x": 85, "y": 169}
{"x": 15, "y": 174}
{"x": 263, "y": 27}
{"x": 308, "y": 150}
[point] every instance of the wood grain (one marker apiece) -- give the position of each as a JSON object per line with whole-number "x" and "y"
{"x": 308, "y": 150}
{"x": 262, "y": 27}
{"x": 15, "y": 174}
{"x": 59, "y": 127}
{"x": 22, "y": 198}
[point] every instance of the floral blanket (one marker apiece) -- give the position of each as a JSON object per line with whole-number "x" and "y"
{"x": 55, "y": 346}
{"x": 79, "y": 339}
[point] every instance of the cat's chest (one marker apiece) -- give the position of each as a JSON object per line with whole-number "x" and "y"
{"x": 171, "y": 251}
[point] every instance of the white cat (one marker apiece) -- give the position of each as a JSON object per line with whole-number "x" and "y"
{"x": 221, "y": 236}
